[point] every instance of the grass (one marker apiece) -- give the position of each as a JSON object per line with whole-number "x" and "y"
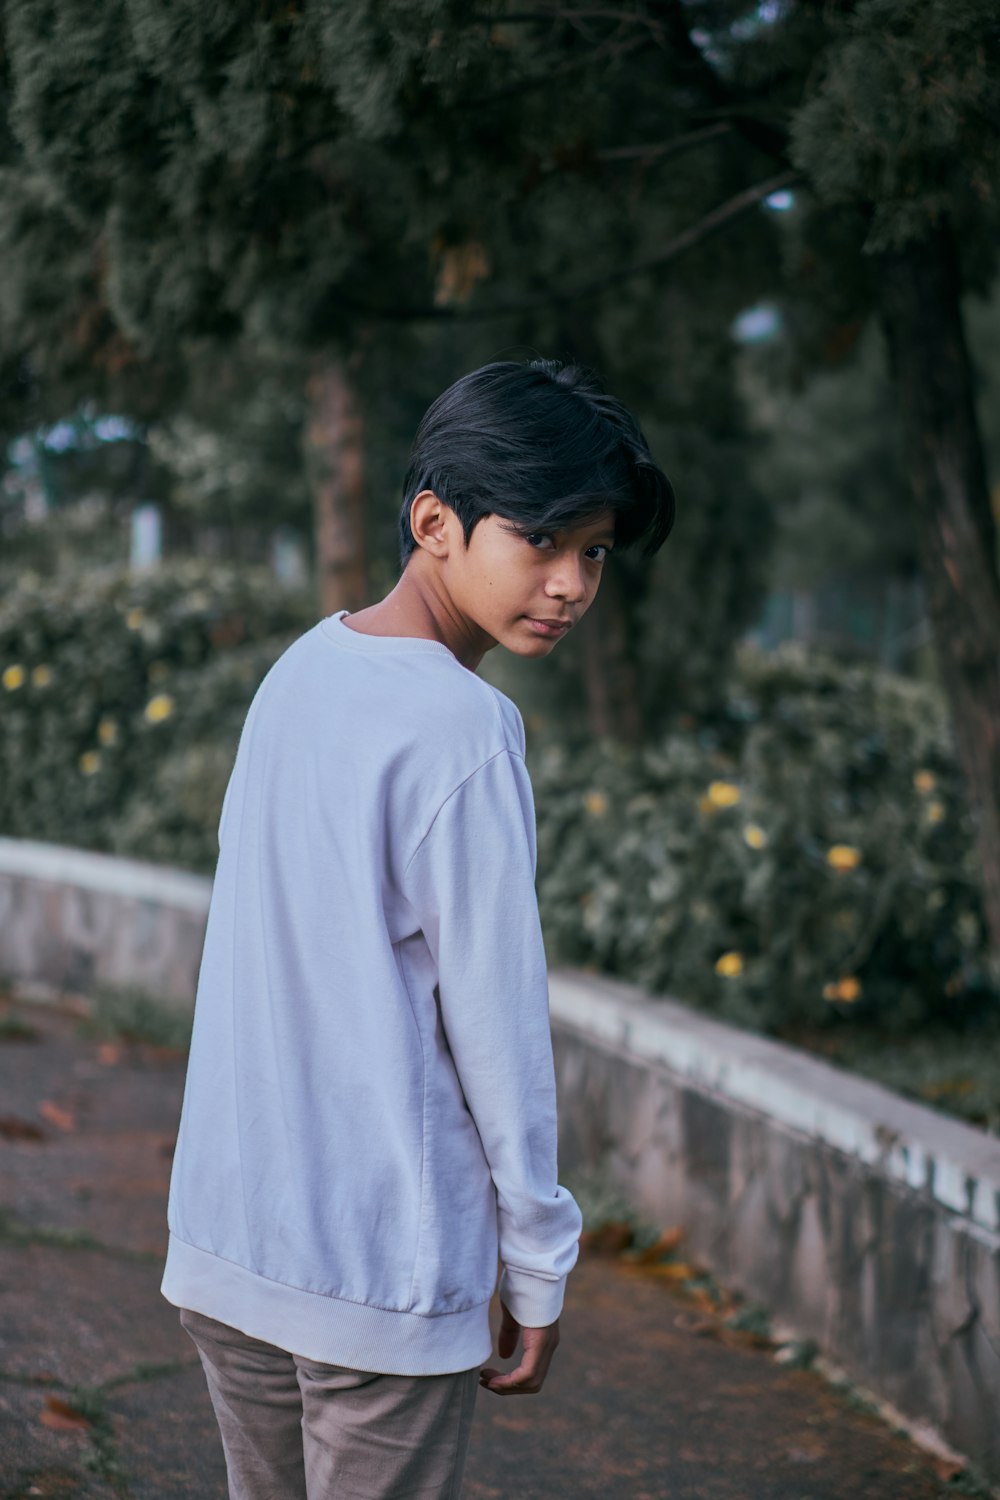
{"x": 601, "y": 1203}
{"x": 954, "y": 1072}
{"x": 14, "y": 1232}
{"x": 131, "y": 1014}
{"x": 104, "y": 1459}
{"x": 14, "y": 1029}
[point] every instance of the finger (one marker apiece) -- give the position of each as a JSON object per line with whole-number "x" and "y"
{"x": 517, "y": 1383}
{"x": 526, "y": 1380}
{"x": 510, "y": 1330}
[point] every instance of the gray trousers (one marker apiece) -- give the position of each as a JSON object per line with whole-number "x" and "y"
{"x": 294, "y": 1429}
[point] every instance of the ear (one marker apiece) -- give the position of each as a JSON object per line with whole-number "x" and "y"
{"x": 428, "y": 522}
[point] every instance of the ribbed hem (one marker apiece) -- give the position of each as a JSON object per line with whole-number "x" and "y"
{"x": 323, "y": 1328}
{"x": 532, "y": 1301}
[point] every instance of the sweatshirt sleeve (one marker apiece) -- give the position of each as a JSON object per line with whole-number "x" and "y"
{"x": 471, "y": 883}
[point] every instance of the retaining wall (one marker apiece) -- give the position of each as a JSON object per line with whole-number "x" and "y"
{"x": 865, "y": 1221}
{"x": 71, "y": 919}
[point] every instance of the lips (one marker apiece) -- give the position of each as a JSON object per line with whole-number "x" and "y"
{"x": 548, "y": 629}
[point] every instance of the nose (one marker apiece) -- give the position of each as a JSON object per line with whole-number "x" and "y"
{"x": 568, "y": 580}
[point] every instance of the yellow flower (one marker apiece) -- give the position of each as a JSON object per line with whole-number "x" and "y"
{"x": 13, "y": 677}
{"x": 157, "y": 671}
{"x": 843, "y": 856}
{"x": 107, "y": 731}
{"x": 935, "y": 811}
{"x": 134, "y": 618}
{"x": 42, "y": 676}
{"x": 924, "y": 781}
{"x": 90, "y": 761}
{"x": 159, "y": 708}
{"x": 723, "y": 793}
{"x": 729, "y": 963}
{"x": 596, "y": 803}
{"x": 754, "y": 835}
{"x": 847, "y": 988}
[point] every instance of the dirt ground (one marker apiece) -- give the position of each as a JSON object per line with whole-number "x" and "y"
{"x": 650, "y": 1397}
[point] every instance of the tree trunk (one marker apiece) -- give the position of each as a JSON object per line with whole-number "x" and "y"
{"x": 334, "y": 456}
{"x": 614, "y": 698}
{"x": 608, "y": 629}
{"x": 956, "y": 535}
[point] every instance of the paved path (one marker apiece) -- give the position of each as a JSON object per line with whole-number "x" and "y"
{"x": 648, "y": 1397}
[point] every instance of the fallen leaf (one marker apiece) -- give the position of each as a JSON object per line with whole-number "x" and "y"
{"x": 52, "y": 1483}
{"x": 946, "y": 1468}
{"x": 62, "y": 1417}
{"x": 751, "y": 1337}
{"x": 671, "y": 1270}
{"x": 56, "y": 1116}
{"x": 610, "y": 1239}
{"x": 109, "y": 1053}
{"x": 668, "y": 1241}
{"x": 13, "y": 1129}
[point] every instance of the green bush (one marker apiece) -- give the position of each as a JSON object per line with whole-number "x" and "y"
{"x": 122, "y": 697}
{"x": 806, "y": 861}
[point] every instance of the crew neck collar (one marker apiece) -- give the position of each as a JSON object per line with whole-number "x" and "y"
{"x": 334, "y": 629}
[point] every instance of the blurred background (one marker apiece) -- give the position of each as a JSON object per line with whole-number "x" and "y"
{"x": 245, "y": 246}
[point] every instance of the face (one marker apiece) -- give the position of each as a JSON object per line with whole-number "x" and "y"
{"x": 508, "y": 585}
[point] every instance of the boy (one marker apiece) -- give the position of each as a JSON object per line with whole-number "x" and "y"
{"x": 369, "y": 1114}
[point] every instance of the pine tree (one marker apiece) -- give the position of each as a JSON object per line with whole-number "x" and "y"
{"x": 316, "y": 178}
{"x": 303, "y": 174}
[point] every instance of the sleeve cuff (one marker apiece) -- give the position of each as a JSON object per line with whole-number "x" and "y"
{"x": 532, "y": 1301}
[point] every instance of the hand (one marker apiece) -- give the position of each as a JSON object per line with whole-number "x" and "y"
{"x": 539, "y": 1347}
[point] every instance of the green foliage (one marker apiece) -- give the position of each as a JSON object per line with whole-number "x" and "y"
{"x": 904, "y": 118}
{"x": 133, "y": 1015}
{"x": 958, "y": 1073}
{"x": 601, "y": 1202}
{"x": 233, "y": 455}
{"x": 753, "y": 1317}
{"x": 803, "y": 859}
{"x": 123, "y": 689}
{"x": 831, "y": 469}
{"x": 806, "y": 860}
{"x": 698, "y": 867}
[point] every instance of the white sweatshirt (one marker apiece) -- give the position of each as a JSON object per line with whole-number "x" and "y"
{"x": 369, "y": 1114}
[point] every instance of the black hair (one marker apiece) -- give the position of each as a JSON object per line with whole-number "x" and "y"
{"x": 543, "y": 445}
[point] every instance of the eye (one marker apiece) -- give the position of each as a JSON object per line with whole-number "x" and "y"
{"x": 597, "y": 546}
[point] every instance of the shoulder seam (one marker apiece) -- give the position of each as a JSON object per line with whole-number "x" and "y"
{"x": 496, "y": 694}
{"x": 488, "y": 761}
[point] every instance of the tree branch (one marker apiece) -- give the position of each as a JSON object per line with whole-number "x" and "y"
{"x": 765, "y": 137}
{"x": 725, "y": 214}
{"x": 661, "y": 150}
{"x": 606, "y": 50}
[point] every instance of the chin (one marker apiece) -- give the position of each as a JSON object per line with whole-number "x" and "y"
{"x": 537, "y": 647}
